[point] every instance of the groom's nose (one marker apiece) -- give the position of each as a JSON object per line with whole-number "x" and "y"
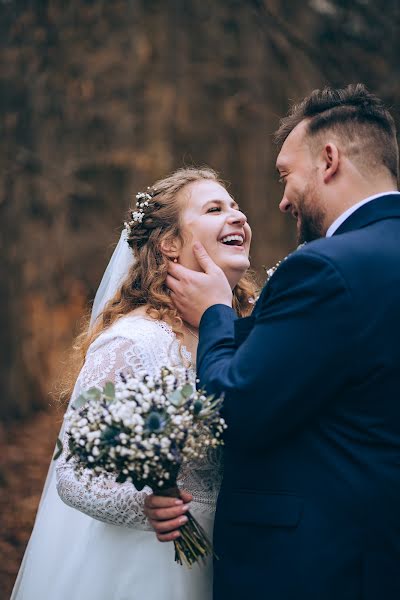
{"x": 284, "y": 205}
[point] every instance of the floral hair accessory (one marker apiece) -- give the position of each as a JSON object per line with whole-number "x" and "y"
{"x": 142, "y": 203}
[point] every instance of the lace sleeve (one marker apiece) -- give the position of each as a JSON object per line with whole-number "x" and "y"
{"x": 100, "y": 498}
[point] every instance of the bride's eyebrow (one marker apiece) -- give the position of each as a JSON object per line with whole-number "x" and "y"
{"x": 220, "y": 202}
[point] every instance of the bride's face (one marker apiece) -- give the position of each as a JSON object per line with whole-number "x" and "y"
{"x": 212, "y": 217}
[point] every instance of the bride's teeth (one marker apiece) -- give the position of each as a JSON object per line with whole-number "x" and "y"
{"x": 232, "y": 238}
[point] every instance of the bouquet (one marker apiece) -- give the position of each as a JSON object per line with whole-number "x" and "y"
{"x": 143, "y": 430}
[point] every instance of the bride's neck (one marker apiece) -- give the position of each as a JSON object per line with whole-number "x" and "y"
{"x": 140, "y": 310}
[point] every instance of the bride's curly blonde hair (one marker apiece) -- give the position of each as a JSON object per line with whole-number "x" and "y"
{"x": 145, "y": 284}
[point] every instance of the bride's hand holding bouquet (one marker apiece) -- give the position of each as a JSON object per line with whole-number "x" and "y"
{"x": 142, "y": 430}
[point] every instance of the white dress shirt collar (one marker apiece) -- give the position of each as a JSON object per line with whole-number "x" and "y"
{"x": 342, "y": 218}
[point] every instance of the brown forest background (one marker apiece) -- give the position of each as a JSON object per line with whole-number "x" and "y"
{"x": 97, "y": 100}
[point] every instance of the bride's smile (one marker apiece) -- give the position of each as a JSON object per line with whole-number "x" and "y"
{"x": 212, "y": 217}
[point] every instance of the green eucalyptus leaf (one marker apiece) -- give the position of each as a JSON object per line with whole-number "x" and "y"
{"x": 79, "y": 402}
{"x": 93, "y": 393}
{"x": 59, "y": 449}
{"x": 109, "y": 391}
{"x": 176, "y": 398}
{"x": 187, "y": 390}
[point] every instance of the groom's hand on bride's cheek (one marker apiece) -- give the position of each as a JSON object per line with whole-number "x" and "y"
{"x": 193, "y": 292}
{"x": 166, "y": 515}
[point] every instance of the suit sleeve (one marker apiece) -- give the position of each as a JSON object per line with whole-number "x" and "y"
{"x": 296, "y": 359}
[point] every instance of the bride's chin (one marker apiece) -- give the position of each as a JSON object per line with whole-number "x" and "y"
{"x": 241, "y": 263}
{"x": 235, "y": 272}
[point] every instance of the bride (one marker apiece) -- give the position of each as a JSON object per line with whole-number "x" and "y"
{"x": 91, "y": 539}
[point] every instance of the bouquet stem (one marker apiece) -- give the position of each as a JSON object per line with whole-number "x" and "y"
{"x": 193, "y": 544}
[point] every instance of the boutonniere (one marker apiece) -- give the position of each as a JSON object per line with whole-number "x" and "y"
{"x": 271, "y": 270}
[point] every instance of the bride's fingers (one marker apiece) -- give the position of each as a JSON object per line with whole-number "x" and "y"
{"x": 168, "y": 526}
{"x": 168, "y": 537}
{"x": 186, "y": 496}
{"x": 162, "y": 514}
{"x": 153, "y": 501}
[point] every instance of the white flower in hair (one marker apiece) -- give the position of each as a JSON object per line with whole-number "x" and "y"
{"x": 142, "y": 203}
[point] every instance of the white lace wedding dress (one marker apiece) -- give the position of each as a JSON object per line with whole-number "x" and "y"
{"x": 100, "y": 546}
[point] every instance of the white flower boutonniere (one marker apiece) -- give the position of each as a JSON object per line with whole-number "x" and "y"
{"x": 270, "y": 271}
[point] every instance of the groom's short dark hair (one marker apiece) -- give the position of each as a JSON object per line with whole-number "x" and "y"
{"x": 354, "y": 115}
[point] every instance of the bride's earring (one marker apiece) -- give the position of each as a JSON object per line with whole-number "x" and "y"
{"x": 175, "y": 259}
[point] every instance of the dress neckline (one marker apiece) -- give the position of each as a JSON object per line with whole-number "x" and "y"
{"x": 166, "y": 327}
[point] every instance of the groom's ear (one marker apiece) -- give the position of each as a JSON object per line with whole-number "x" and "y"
{"x": 331, "y": 159}
{"x": 171, "y": 247}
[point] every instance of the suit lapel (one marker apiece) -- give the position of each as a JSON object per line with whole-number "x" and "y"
{"x": 244, "y": 325}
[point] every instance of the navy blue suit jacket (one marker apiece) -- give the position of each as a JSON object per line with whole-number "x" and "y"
{"x": 310, "y": 502}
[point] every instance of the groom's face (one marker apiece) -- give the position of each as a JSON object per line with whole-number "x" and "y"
{"x": 302, "y": 196}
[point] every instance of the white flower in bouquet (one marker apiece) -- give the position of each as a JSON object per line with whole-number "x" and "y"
{"x": 143, "y": 430}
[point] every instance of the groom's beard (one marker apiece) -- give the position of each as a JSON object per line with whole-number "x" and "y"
{"x": 310, "y": 224}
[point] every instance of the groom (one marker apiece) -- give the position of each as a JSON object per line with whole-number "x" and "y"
{"x": 310, "y": 503}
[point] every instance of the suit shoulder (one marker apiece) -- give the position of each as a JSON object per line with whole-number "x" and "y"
{"x": 311, "y": 266}
{"x": 316, "y": 254}
{"x": 336, "y": 248}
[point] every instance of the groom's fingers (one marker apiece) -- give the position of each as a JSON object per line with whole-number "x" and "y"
{"x": 178, "y": 271}
{"x": 172, "y": 283}
{"x": 203, "y": 258}
{"x": 176, "y": 296}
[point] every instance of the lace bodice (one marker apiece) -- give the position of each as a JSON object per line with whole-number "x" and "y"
{"x": 138, "y": 343}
